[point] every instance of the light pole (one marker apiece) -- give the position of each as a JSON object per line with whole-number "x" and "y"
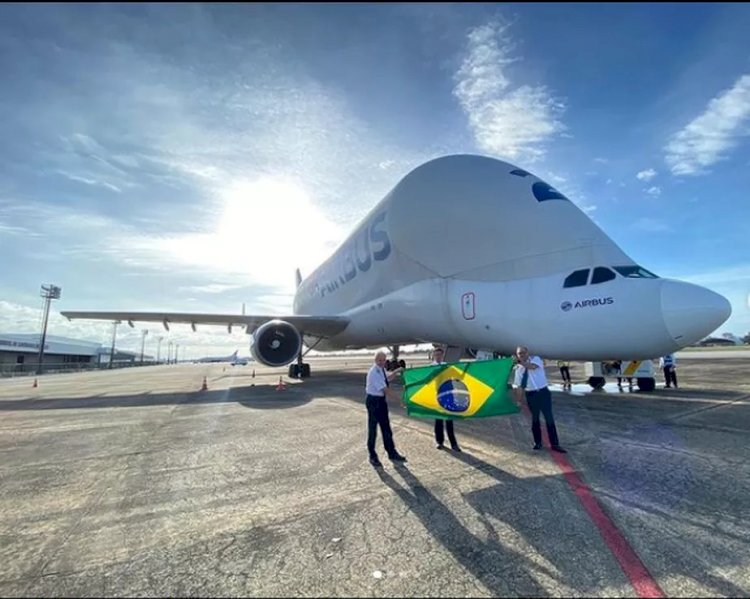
{"x": 144, "y": 332}
{"x": 112, "y": 349}
{"x": 49, "y": 292}
{"x": 158, "y": 349}
{"x": 176, "y": 347}
{"x": 169, "y": 352}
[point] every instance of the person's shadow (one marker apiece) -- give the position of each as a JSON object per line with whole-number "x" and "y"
{"x": 501, "y": 569}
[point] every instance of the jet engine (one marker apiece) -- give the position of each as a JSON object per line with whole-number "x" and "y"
{"x": 276, "y": 343}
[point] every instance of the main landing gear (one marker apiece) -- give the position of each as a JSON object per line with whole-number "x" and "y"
{"x": 395, "y": 362}
{"x": 299, "y": 371}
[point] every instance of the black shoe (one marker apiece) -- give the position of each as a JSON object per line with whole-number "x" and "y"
{"x": 376, "y": 462}
{"x": 558, "y": 449}
{"x": 537, "y": 445}
{"x": 439, "y": 446}
{"x": 456, "y": 448}
{"x": 397, "y": 457}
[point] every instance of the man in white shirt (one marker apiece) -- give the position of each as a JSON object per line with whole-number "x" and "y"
{"x": 531, "y": 379}
{"x": 377, "y": 388}
{"x": 668, "y": 364}
{"x": 438, "y": 357}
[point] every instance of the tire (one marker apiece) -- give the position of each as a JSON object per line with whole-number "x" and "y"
{"x": 293, "y": 371}
{"x": 402, "y": 364}
{"x": 596, "y": 382}
{"x": 305, "y": 371}
{"x": 646, "y": 384}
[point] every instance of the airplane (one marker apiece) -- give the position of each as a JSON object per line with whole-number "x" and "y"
{"x": 232, "y": 359}
{"x": 474, "y": 252}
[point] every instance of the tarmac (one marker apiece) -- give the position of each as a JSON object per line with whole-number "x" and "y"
{"x": 136, "y": 483}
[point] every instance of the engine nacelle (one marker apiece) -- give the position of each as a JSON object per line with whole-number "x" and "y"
{"x": 276, "y": 343}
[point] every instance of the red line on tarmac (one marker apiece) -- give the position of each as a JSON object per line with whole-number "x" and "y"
{"x": 643, "y": 583}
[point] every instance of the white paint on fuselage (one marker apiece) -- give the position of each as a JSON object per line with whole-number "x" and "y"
{"x": 463, "y": 225}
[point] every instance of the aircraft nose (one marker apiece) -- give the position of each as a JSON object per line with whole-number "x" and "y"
{"x": 691, "y": 312}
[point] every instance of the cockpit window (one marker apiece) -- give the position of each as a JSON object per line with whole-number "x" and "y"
{"x": 635, "y": 272}
{"x": 577, "y": 279}
{"x": 544, "y": 191}
{"x": 601, "y": 275}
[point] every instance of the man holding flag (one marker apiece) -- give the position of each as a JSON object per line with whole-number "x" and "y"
{"x": 531, "y": 379}
{"x": 377, "y": 388}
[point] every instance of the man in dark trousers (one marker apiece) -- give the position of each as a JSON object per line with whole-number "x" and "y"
{"x": 438, "y": 357}
{"x": 531, "y": 379}
{"x": 668, "y": 364}
{"x": 377, "y": 387}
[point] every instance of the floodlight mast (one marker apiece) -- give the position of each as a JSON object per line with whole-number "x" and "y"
{"x": 48, "y": 292}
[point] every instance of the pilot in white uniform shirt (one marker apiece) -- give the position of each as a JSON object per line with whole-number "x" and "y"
{"x": 538, "y": 397}
{"x": 376, "y": 389}
{"x": 537, "y": 378}
{"x": 375, "y": 383}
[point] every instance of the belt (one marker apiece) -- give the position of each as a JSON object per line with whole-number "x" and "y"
{"x": 376, "y": 396}
{"x": 535, "y": 390}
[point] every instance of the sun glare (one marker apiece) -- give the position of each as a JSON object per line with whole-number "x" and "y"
{"x": 265, "y": 230}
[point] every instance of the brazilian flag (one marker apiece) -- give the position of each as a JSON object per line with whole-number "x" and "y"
{"x": 459, "y": 390}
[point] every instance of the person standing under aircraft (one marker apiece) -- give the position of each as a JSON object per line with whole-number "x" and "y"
{"x": 668, "y": 364}
{"x": 377, "y": 388}
{"x": 564, "y": 371}
{"x": 438, "y": 357}
{"x": 531, "y": 379}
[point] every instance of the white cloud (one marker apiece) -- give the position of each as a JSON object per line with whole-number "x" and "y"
{"x": 90, "y": 181}
{"x": 556, "y": 179}
{"x": 708, "y": 138}
{"x": 211, "y": 288}
{"x": 654, "y": 191}
{"x": 13, "y": 230}
{"x": 256, "y": 238}
{"x": 732, "y": 274}
{"x": 646, "y": 175}
{"x": 511, "y": 122}
{"x": 601, "y": 160}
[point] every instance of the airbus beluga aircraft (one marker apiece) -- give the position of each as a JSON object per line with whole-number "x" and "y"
{"x": 474, "y": 252}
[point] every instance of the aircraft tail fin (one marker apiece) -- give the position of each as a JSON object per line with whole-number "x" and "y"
{"x": 297, "y": 277}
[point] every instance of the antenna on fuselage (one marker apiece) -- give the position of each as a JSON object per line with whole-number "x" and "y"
{"x": 298, "y": 277}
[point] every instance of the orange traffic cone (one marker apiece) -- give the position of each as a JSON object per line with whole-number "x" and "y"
{"x": 205, "y": 386}
{"x": 281, "y": 386}
{"x": 35, "y": 384}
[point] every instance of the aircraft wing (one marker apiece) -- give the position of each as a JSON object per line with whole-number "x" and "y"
{"x": 317, "y": 326}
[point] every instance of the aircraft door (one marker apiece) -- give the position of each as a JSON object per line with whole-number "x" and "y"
{"x": 468, "y": 305}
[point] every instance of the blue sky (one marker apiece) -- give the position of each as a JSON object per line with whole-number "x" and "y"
{"x": 190, "y": 157}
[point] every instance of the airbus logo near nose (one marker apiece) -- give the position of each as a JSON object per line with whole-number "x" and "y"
{"x": 597, "y": 301}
